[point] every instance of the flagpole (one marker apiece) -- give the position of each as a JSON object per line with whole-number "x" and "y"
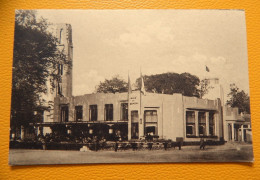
{"x": 129, "y": 110}
{"x": 140, "y": 102}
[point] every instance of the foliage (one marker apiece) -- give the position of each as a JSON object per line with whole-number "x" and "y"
{"x": 169, "y": 83}
{"x": 112, "y": 85}
{"x": 204, "y": 87}
{"x": 239, "y": 99}
{"x": 35, "y": 60}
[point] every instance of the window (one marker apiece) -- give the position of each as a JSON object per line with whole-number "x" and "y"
{"x": 60, "y": 89}
{"x": 202, "y": 123}
{"x": 93, "y": 112}
{"x": 151, "y": 126}
{"x": 61, "y": 35}
{"x": 64, "y": 113}
{"x": 150, "y": 130}
{"x": 60, "y": 69}
{"x": 108, "y": 112}
{"x": 134, "y": 124}
{"x": 151, "y": 116}
{"x": 78, "y": 113}
{"x": 190, "y": 123}
{"x": 211, "y": 124}
{"x": 124, "y": 111}
{"x": 134, "y": 116}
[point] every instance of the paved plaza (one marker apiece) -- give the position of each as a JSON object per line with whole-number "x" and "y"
{"x": 225, "y": 153}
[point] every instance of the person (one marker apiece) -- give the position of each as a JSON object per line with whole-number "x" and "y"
{"x": 165, "y": 144}
{"x": 116, "y": 146}
{"x": 43, "y": 141}
{"x": 96, "y": 143}
{"x": 149, "y": 137}
{"x": 202, "y": 143}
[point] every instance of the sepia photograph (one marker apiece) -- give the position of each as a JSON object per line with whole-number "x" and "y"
{"x": 130, "y": 86}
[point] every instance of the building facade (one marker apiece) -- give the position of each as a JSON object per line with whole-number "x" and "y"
{"x": 130, "y": 115}
{"x": 135, "y": 116}
{"x": 237, "y": 126}
{"x": 63, "y": 86}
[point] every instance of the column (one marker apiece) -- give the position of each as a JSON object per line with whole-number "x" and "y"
{"x": 233, "y": 132}
{"x": 216, "y": 120}
{"x": 129, "y": 124}
{"x": 196, "y": 123}
{"x": 22, "y": 132}
{"x": 242, "y": 133}
{"x": 207, "y": 123}
{"x": 38, "y": 130}
{"x": 141, "y": 124}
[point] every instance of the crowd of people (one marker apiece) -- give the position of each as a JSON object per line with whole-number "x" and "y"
{"x": 68, "y": 138}
{"x": 100, "y": 142}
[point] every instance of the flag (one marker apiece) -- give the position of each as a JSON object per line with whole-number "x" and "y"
{"x": 129, "y": 85}
{"x": 207, "y": 69}
{"x": 142, "y": 85}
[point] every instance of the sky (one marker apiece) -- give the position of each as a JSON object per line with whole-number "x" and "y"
{"x": 111, "y": 42}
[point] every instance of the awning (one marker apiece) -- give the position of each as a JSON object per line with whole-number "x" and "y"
{"x": 48, "y": 124}
{"x": 201, "y": 109}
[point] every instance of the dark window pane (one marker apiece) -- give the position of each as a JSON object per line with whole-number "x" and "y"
{"x": 124, "y": 111}
{"x": 189, "y": 130}
{"x": 211, "y": 118}
{"x": 78, "y": 113}
{"x": 93, "y": 112}
{"x": 201, "y": 130}
{"x": 64, "y": 113}
{"x": 150, "y": 130}
{"x": 108, "y": 112}
{"x": 211, "y": 130}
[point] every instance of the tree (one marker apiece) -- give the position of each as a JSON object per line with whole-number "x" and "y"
{"x": 169, "y": 83}
{"x": 239, "y": 99}
{"x": 35, "y": 60}
{"x": 204, "y": 87}
{"x": 112, "y": 85}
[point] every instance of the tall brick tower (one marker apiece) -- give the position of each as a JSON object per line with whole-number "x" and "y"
{"x": 64, "y": 36}
{"x": 63, "y": 88}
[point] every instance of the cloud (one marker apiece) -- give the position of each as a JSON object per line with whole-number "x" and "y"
{"x": 196, "y": 64}
{"x": 219, "y": 67}
{"x": 85, "y": 83}
{"x": 145, "y": 35}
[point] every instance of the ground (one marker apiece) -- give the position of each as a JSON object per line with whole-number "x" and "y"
{"x": 230, "y": 152}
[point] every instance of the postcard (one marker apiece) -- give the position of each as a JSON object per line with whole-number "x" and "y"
{"x": 130, "y": 86}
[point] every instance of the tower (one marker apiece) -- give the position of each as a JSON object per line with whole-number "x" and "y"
{"x": 215, "y": 90}
{"x": 64, "y": 36}
{"x": 63, "y": 87}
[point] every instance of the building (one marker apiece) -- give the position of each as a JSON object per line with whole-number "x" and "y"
{"x": 237, "y": 126}
{"x": 134, "y": 116}
{"x": 63, "y": 87}
{"x": 130, "y": 115}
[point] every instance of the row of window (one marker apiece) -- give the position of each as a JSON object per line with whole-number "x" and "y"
{"x": 190, "y": 124}
{"x": 93, "y": 112}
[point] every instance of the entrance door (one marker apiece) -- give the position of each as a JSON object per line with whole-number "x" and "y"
{"x": 245, "y": 140}
{"x": 134, "y": 125}
{"x": 229, "y": 132}
{"x": 64, "y": 113}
